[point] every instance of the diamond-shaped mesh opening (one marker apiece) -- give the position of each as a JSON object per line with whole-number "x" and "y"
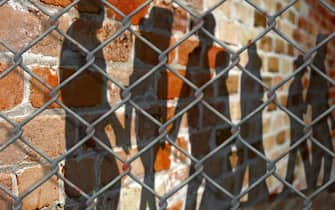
{"x": 179, "y": 104}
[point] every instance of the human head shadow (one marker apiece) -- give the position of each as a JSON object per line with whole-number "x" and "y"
{"x": 86, "y": 96}
{"x": 157, "y": 29}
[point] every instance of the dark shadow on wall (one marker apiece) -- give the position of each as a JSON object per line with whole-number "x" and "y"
{"x": 317, "y": 98}
{"x": 252, "y": 129}
{"x": 157, "y": 30}
{"x": 296, "y": 104}
{"x": 207, "y": 131}
{"x": 89, "y": 167}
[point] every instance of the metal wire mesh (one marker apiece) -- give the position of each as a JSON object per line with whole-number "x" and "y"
{"x": 236, "y": 139}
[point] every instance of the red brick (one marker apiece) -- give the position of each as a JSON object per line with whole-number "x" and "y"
{"x": 170, "y": 86}
{"x": 11, "y": 88}
{"x": 60, "y": 3}
{"x": 232, "y": 83}
{"x": 13, "y": 154}
{"x": 177, "y": 206}
{"x": 126, "y": 7}
{"x": 280, "y": 137}
{"x": 89, "y": 6}
{"x": 146, "y": 54}
{"x": 180, "y": 20}
{"x": 280, "y": 46}
{"x": 266, "y": 44}
{"x": 41, "y": 130}
{"x": 51, "y": 45}
{"x": 184, "y": 144}
{"x": 162, "y": 160}
{"x": 40, "y": 94}
{"x": 260, "y": 20}
{"x": 27, "y": 27}
{"x": 168, "y": 113}
{"x": 38, "y": 132}
{"x": 120, "y": 48}
{"x": 185, "y": 49}
{"x": 82, "y": 174}
{"x": 271, "y": 107}
{"x": 5, "y": 200}
{"x": 44, "y": 195}
{"x": 216, "y": 57}
{"x": 273, "y": 64}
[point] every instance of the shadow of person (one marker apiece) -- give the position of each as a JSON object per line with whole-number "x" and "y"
{"x": 157, "y": 30}
{"x": 224, "y": 172}
{"x": 251, "y": 130}
{"x": 203, "y": 129}
{"x": 317, "y": 98}
{"x": 296, "y": 104}
{"x": 86, "y": 96}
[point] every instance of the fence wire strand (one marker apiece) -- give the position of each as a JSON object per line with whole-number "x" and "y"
{"x": 163, "y": 135}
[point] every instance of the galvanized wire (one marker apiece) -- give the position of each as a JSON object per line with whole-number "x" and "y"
{"x": 163, "y": 135}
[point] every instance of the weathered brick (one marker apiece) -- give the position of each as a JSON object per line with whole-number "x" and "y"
{"x": 260, "y": 20}
{"x": 38, "y": 132}
{"x": 41, "y": 130}
{"x": 162, "y": 159}
{"x": 216, "y": 56}
{"x": 11, "y": 87}
{"x": 273, "y": 64}
{"x": 39, "y": 93}
{"x": 82, "y": 173}
{"x": 177, "y": 205}
{"x": 61, "y": 3}
{"x": 244, "y": 13}
{"x": 280, "y": 46}
{"x": 5, "y": 200}
{"x": 120, "y": 48}
{"x": 281, "y": 137}
{"x": 185, "y": 49}
{"x": 27, "y": 26}
{"x": 12, "y": 154}
{"x": 51, "y": 45}
{"x": 291, "y": 17}
{"x": 170, "y": 86}
{"x": 127, "y": 7}
{"x": 232, "y": 84}
{"x": 87, "y": 6}
{"x": 184, "y": 144}
{"x": 227, "y": 31}
{"x": 44, "y": 195}
{"x": 266, "y": 44}
{"x": 225, "y": 8}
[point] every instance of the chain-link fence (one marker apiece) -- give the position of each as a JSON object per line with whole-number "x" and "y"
{"x": 224, "y": 188}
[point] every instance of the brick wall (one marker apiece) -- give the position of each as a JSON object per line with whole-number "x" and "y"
{"x": 127, "y": 59}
